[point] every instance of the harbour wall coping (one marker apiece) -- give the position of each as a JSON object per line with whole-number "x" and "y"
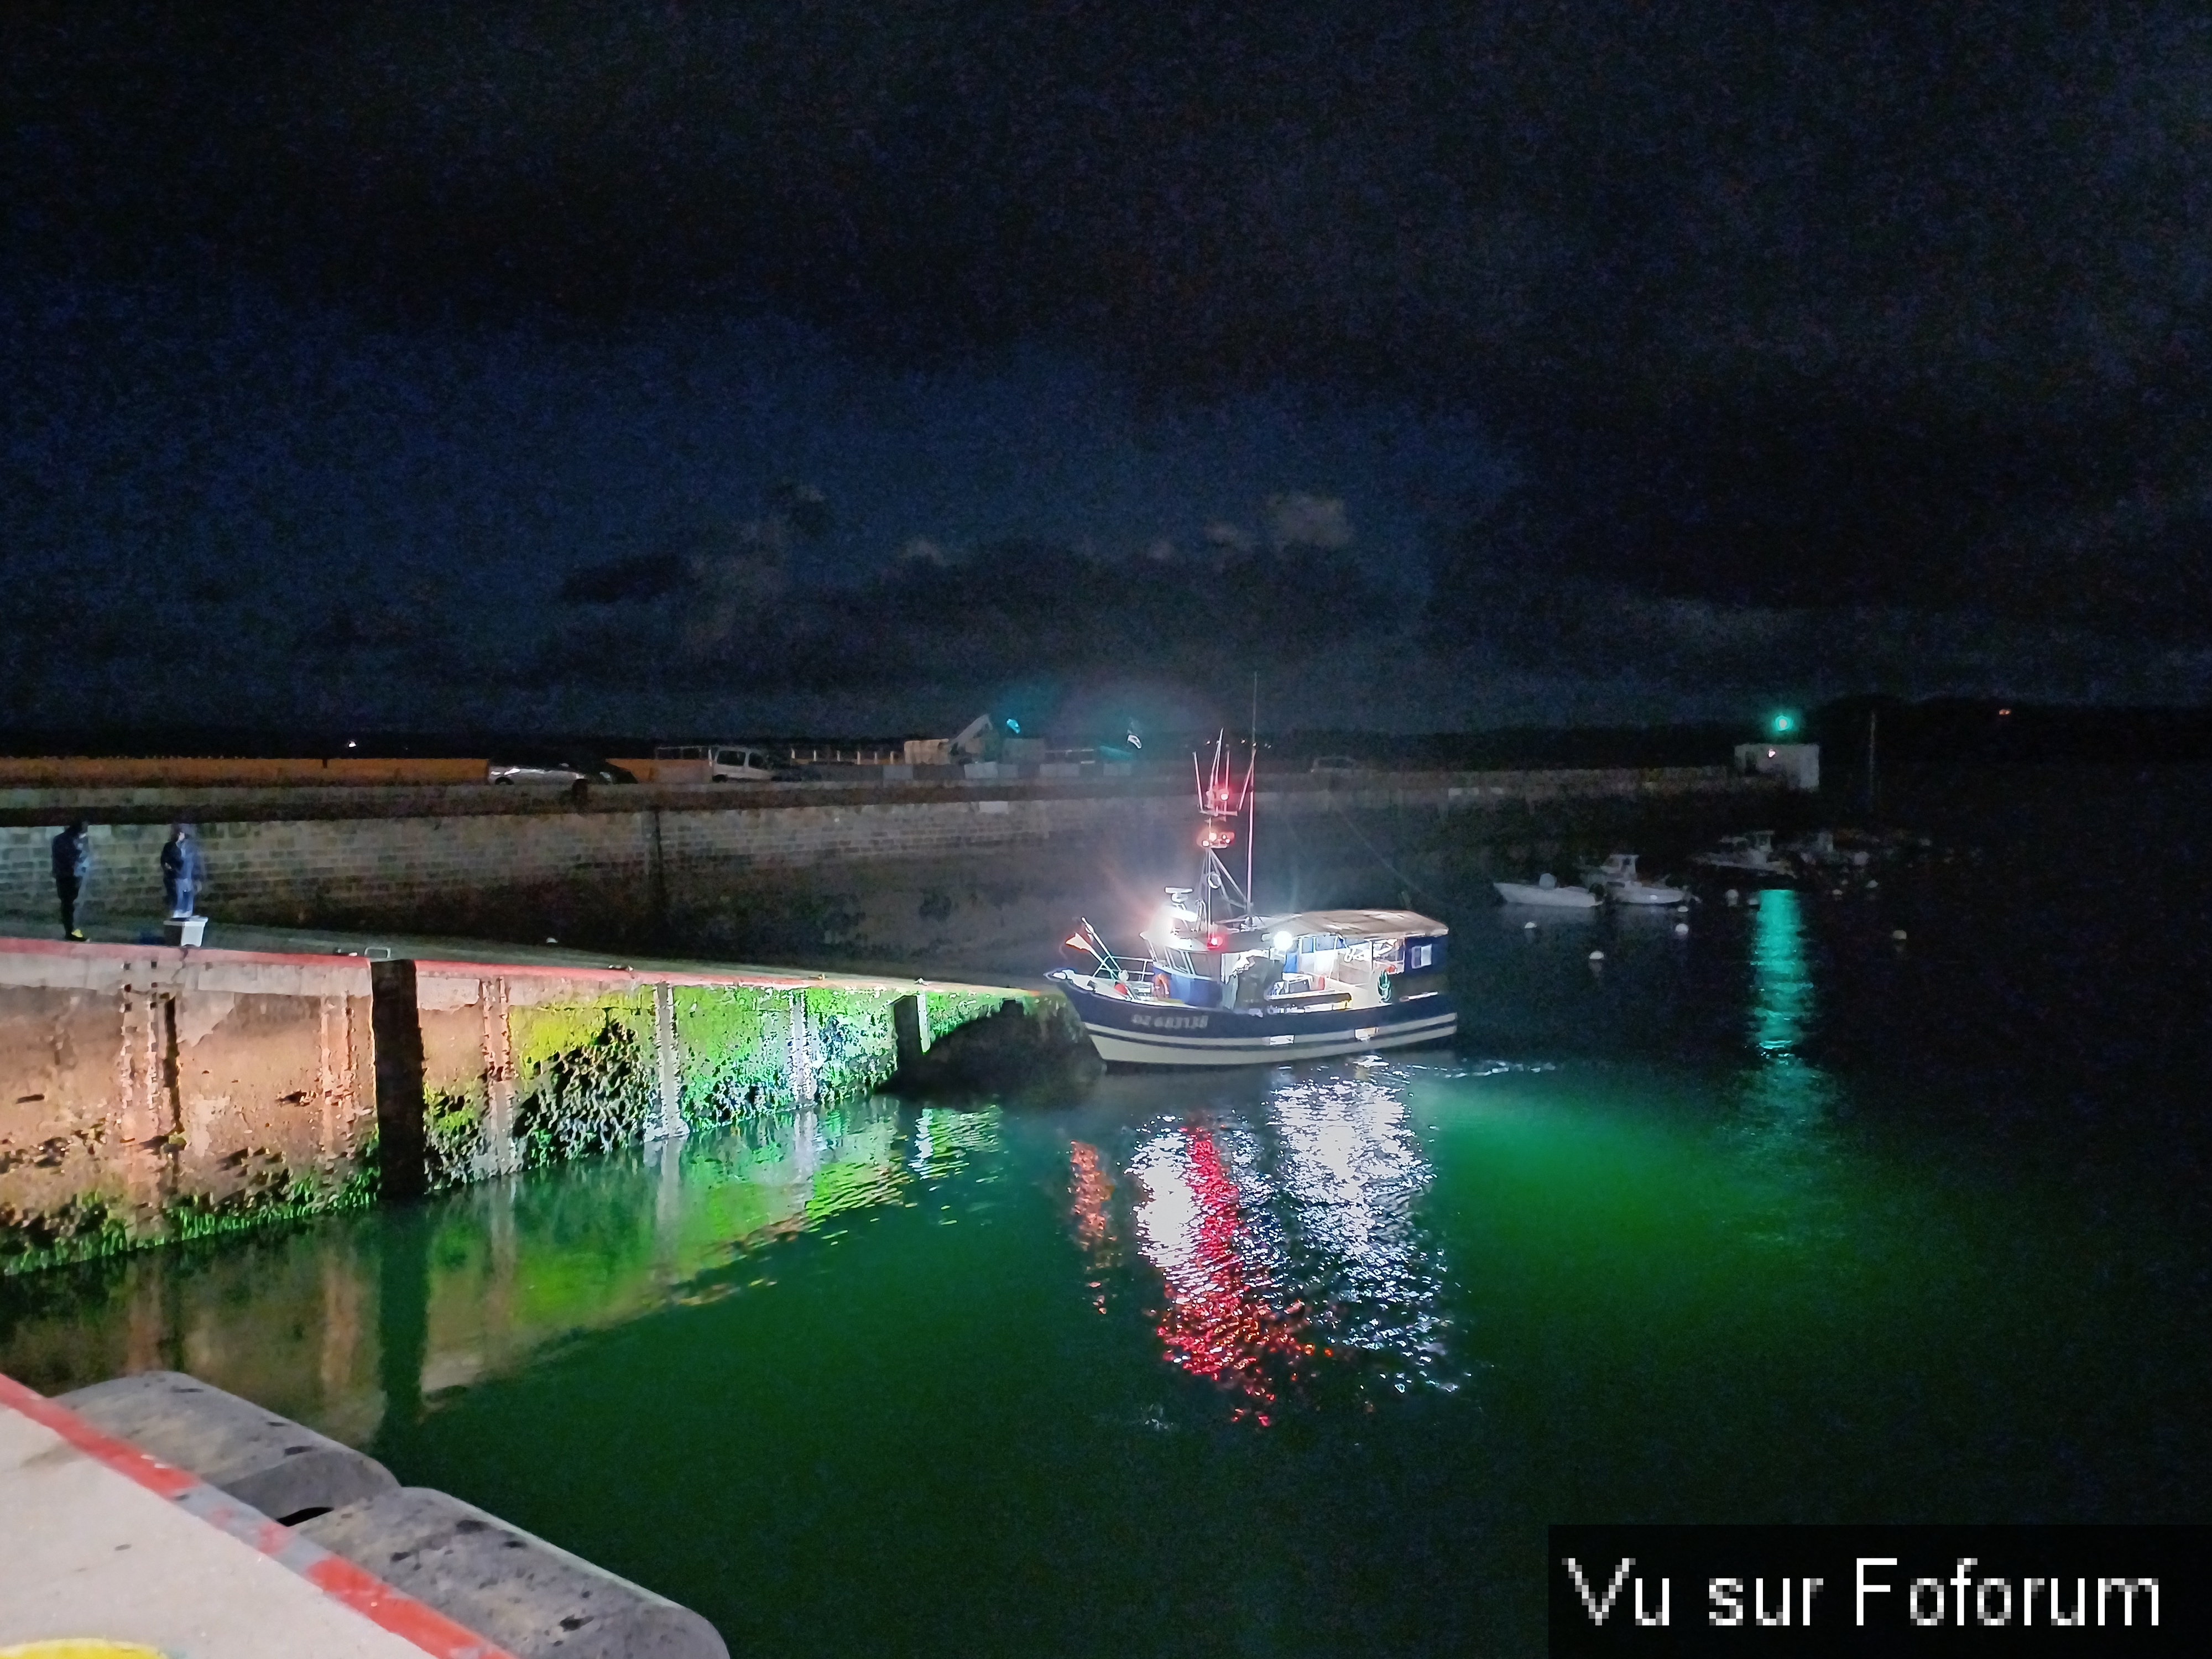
{"x": 54, "y": 804}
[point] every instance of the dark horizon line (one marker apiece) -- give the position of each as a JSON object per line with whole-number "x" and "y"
{"x": 1840, "y": 720}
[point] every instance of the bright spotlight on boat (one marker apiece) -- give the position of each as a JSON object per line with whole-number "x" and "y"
{"x": 1283, "y": 941}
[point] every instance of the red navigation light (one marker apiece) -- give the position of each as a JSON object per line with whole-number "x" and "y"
{"x": 1217, "y": 941}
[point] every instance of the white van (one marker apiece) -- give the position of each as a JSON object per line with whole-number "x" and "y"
{"x": 723, "y": 763}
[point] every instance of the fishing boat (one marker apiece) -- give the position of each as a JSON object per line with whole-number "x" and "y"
{"x": 1547, "y": 891}
{"x": 1219, "y": 985}
{"x": 1621, "y": 883}
{"x": 1752, "y": 855}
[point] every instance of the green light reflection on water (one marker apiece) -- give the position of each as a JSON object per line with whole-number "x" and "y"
{"x": 1662, "y": 1288}
{"x": 1787, "y": 1099}
{"x": 1782, "y": 990}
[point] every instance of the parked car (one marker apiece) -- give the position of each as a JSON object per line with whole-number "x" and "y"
{"x": 731, "y": 763}
{"x": 542, "y": 769}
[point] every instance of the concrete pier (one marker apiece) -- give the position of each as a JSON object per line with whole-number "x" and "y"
{"x": 282, "y": 1469}
{"x": 99, "y": 1540}
{"x": 150, "y": 1094}
{"x": 525, "y": 1595}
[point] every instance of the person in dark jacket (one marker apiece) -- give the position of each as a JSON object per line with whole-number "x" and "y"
{"x": 72, "y": 850}
{"x": 181, "y": 869}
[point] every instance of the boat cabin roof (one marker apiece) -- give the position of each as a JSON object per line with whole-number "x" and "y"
{"x": 1357, "y": 924}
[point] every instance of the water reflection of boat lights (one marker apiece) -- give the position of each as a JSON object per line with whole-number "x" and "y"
{"x": 1354, "y": 1172}
{"x": 1221, "y": 1321}
{"x": 1090, "y": 1198}
{"x": 1327, "y": 1259}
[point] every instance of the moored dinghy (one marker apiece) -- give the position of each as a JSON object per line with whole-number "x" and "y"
{"x": 1545, "y": 891}
{"x": 1623, "y": 885}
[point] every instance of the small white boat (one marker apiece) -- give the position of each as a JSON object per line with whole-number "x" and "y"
{"x": 1752, "y": 855}
{"x": 1545, "y": 891}
{"x": 1618, "y": 877}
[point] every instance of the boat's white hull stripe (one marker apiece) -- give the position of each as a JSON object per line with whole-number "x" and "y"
{"x": 1145, "y": 1049}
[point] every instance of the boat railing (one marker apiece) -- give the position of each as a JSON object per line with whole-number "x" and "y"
{"x": 1137, "y": 980}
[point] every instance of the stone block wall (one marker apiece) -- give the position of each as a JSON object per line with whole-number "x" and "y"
{"x": 774, "y": 872}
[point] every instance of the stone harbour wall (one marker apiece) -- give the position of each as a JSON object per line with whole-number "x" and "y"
{"x": 785, "y": 873}
{"x": 150, "y": 1094}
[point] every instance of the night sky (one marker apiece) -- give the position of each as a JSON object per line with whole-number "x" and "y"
{"x": 708, "y": 369}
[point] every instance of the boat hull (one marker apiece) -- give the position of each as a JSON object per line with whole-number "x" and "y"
{"x": 1639, "y": 893}
{"x": 1549, "y": 898}
{"x": 1138, "y": 1032}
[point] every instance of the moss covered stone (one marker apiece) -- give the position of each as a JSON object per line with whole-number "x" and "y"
{"x": 592, "y": 1097}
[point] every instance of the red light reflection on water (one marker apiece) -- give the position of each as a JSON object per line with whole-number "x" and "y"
{"x": 1220, "y": 1322}
{"x": 1091, "y": 1199}
{"x": 1090, "y": 1193}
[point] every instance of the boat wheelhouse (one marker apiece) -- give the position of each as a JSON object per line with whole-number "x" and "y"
{"x": 1221, "y": 985}
{"x": 1751, "y": 855}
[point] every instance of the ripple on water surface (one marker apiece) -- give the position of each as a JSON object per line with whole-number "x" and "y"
{"x": 1296, "y": 1360}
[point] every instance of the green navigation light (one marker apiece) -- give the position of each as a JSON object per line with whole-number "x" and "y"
{"x": 1783, "y": 723}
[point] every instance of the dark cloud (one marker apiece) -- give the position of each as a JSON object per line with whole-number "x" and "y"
{"x": 640, "y": 576}
{"x": 1805, "y": 325}
{"x": 1013, "y": 611}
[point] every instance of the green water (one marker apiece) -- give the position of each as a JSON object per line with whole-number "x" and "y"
{"x": 1744, "y": 1227}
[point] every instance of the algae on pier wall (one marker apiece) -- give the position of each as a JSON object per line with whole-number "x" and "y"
{"x": 533, "y": 1067}
{"x": 160, "y": 1095}
{"x": 149, "y": 1095}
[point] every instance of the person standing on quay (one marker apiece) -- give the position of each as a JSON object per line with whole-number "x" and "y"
{"x": 72, "y": 851}
{"x": 181, "y": 870}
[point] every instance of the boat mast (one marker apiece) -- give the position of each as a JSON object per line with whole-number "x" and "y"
{"x": 1251, "y": 794}
{"x": 1218, "y": 810}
